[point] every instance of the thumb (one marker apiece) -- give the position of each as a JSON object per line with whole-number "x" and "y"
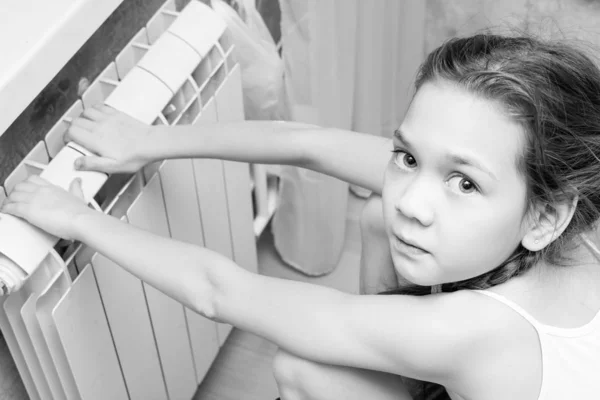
{"x": 76, "y": 189}
{"x": 93, "y": 163}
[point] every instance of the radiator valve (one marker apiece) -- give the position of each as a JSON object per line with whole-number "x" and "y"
{"x": 23, "y": 246}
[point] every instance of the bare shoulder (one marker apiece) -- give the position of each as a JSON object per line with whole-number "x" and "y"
{"x": 485, "y": 317}
{"x": 444, "y": 337}
{"x": 503, "y": 356}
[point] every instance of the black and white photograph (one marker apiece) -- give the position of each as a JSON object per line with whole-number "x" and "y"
{"x": 299, "y": 200}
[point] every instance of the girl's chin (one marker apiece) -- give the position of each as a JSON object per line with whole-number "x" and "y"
{"x": 425, "y": 272}
{"x": 416, "y": 276}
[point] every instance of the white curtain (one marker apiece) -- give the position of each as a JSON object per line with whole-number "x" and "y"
{"x": 349, "y": 64}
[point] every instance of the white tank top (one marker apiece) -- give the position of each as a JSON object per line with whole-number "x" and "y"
{"x": 570, "y": 356}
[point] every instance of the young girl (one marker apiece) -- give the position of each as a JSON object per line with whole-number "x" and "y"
{"x": 489, "y": 196}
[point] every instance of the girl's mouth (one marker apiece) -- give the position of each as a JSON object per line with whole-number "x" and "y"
{"x": 406, "y": 248}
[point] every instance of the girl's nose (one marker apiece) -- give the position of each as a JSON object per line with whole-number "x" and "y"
{"x": 414, "y": 201}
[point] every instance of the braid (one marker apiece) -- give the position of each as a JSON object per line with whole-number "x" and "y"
{"x": 520, "y": 262}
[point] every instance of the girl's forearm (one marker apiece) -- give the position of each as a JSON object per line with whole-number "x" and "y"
{"x": 213, "y": 285}
{"x": 350, "y": 156}
{"x": 187, "y": 273}
{"x": 265, "y": 142}
{"x": 308, "y": 320}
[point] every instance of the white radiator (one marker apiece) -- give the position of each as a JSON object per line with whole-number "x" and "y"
{"x": 80, "y": 327}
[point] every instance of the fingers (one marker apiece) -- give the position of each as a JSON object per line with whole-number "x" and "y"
{"x": 93, "y": 163}
{"x": 84, "y": 123}
{"x": 94, "y": 114}
{"x": 81, "y": 129}
{"x": 25, "y": 186}
{"x": 98, "y": 112}
{"x": 16, "y": 209}
{"x": 16, "y": 203}
{"x": 76, "y": 189}
{"x": 23, "y": 191}
{"x": 79, "y": 135}
{"x": 19, "y": 197}
{"x": 108, "y": 110}
{"x": 38, "y": 180}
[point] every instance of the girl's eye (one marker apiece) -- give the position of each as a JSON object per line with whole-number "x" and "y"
{"x": 463, "y": 184}
{"x": 404, "y": 160}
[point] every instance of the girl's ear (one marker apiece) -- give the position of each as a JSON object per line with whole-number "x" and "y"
{"x": 547, "y": 222}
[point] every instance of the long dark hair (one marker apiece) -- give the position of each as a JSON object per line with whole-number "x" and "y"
{"x": 553, "y": 90}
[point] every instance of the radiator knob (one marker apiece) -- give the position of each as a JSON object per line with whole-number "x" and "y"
{"x": 11, "y": 276}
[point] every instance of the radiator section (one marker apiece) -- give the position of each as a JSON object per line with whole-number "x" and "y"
{"x": 78, "y": 326}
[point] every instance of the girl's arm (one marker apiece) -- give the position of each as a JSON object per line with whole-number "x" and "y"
{"x": 353, "y": 157}
{"x": 420, "y": 337}
{"x": 429, "y": 338}
{"x": 126, "y": 144}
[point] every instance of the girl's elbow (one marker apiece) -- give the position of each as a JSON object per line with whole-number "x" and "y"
{"x": 201, "y": 292}
{"x": 202, "y": 301}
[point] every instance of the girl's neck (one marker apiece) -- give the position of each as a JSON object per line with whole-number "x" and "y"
{"x": 566, "y": 296}
{"x": 590, "y": 245}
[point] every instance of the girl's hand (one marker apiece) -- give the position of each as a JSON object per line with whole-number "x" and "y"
{"x": 118, "y": 139}
{"x": 47, "y": 206}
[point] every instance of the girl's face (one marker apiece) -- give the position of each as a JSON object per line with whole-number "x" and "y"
{"x": 454, "y": 202}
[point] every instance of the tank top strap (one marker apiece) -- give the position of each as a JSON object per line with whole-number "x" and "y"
{"x": 517, "y": 308}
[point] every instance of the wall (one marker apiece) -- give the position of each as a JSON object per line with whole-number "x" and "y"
{"x": 576, "y": 21}
{"x": 560, "y": 19}
{"x": 52, "y": 102}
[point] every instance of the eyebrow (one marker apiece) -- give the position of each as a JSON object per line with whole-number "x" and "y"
{"x": 454, "y": 158}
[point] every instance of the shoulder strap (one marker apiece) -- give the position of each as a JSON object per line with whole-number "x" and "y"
{"x": 517, "y": 308}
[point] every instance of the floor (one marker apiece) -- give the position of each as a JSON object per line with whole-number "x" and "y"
{"x": 242, "y": 370}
